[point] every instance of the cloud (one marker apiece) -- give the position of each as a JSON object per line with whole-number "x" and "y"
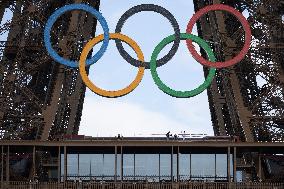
{"x": 106, "y": 117}
{"x": 195, "y": 112}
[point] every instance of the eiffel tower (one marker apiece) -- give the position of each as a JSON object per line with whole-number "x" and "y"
{"x": 40, "y": 99}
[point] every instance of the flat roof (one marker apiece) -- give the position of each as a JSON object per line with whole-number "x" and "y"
{"x": 141, "y": 142}
{"x": 145, "y": 144}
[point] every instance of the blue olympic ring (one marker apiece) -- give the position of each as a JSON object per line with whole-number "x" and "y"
{"x": 52, "y": 19}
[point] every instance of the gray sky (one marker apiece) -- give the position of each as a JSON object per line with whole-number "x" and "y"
{"x": 146, "y": 110}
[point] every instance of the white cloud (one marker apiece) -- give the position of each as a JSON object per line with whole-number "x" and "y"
{"x": 195, "y": 112}
{"x": 106, "y": 117}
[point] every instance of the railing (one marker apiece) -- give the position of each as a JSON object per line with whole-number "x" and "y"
{"x": 147, "y": 178}
{"x": 138, "y": 185}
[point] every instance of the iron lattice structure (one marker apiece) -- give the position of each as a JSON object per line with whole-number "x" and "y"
{"x": 39, "y": 98}
{"x": 247, "y": 100}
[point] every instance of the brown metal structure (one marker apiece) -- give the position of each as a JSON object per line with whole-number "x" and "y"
{"x": 40, "y": 99}
{"x": 59, "y": 154}
{"x": 247, "y": 100}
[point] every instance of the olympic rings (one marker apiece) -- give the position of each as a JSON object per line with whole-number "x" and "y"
{"x": 157, "y": 9}
{"x": 52, "y": 19}
{"x": 154, "y": 63}
{"x": 244, "y": 23}
{"x": 106, "y": 93}
{"x": 165, "y": 88}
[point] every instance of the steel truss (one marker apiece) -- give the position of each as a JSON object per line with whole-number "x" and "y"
{"x": 247, "y": 100}
{"x": 40, "y": 99}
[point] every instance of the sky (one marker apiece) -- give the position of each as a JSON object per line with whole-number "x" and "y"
{"x": 146, "y": 110}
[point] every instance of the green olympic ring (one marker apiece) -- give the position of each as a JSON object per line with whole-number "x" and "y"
{"x": 168, "y": 90}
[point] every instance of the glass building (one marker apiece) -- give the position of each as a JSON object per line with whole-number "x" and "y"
{"x": 143, "y": 160}
{"x": 152, "y": 164}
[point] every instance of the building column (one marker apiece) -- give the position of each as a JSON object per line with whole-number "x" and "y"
{"x": 172, "y": 152}
{"x": 2, "y": 167}
{"x": 215, "y": 167}
{"x": 178, "y": 164}
{"x": 8, "y": 164}
{"x": 59, "y": 165}
{"x": 259, "y": 166}
{"x": 190, "y": 166}
{"x": 65, "y": 164}
{"x": 121, "y": 163}
{"x": 78, "y": 166}
{"x": 34, "y": 163}
{"x": 115, "y": 164}
{"x": 159, "y": 166}
{"x": 235, "y": 164}
{"x": 134, "y": 170}
{"x": 229, "y": 165}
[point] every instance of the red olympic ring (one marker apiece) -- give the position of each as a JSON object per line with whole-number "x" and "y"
{"x": 244, "y": 23}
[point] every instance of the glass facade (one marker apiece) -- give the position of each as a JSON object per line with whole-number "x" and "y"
{"x": 72, "y": 165}
{"x": 89, "y": 166}
{"x": 165, "y": 167}
{"x": 147, "y": 166}
{"x": 128, "y": 166}
{"x": 153, "y": 167}
{"x": 202, "y": 166}
{"x": 184, "y": 166}
{"x": 221, "y": 169}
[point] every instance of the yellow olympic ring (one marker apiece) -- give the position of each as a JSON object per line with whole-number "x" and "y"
{"x": 102, "y": 92}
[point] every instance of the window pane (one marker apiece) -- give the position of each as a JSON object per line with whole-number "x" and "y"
{"x": 62, "y": 166}
{"x": 221, "y": 165}
{"x": 118, "y": 166}
{"x": 175, "y": 166}
{"x": 108, "y": 164}
{"x": 128, "y": 166}
{"x": 203, "y": 166}
{"x": 147, "y": 165}
{"x": 165, "y": 167}
{"x": 97, "y": 164}
{"x": 72, "y": 166}
{"x": 84, "y": 165}
{"x": 184, "y": 166}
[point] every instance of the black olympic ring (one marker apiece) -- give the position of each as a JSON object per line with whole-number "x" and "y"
{"x": 157, "y": 9}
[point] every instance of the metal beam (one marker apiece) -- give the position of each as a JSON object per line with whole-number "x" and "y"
{"x": 229, "y": 164}
{"x": 115, "y": 164}
{"x": 121, "y": 164}
{"x": 65, "y": 164}
{"x": 178, "y": 164}
{"x": 172, "y": 171}
{"x": 59, "y": 164}
{"x": 34, "y": 163}
{"x": 235, "y": 164}
{"x": 142, "y": 143}
{"x": 259, "y": 166}
{"x": 8, "y": 165}
{"x": 2, "y": 167}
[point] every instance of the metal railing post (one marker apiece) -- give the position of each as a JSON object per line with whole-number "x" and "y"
{"x": 115, "y": 164}
{"x": 8, "y": 166}
{"x": 59, "y": 165}
{"x": 2, "y": 167}
{"x": 65, "y": 164}
{"x": 229, "y": 164}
